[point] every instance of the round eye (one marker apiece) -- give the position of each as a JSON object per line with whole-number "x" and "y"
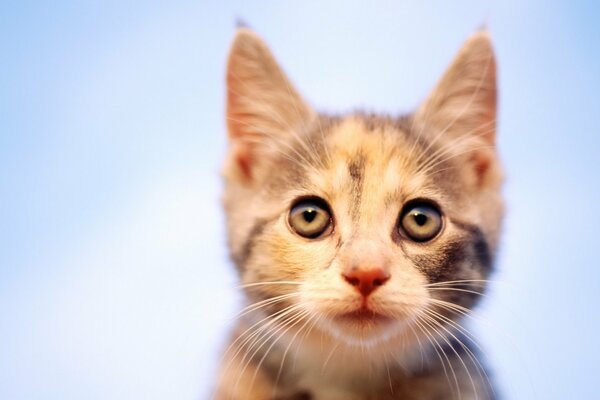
{"x": 310, "y": 218}
{"x": 421, "y": 221}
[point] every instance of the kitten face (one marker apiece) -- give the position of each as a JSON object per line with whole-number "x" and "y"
{"x": 361, "y": 226}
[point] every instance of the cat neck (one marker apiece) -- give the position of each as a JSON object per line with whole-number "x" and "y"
{"x": 316, "y": 358}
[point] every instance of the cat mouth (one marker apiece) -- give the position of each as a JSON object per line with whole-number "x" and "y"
{"x": 363, "y": 315}
{"x": 364, "y": 325}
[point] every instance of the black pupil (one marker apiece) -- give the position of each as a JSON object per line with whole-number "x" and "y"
{"x": 420, "y": 218}
{"x": 309, "y": 215}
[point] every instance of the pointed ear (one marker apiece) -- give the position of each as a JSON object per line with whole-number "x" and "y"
{"x": 262, "y": 106}
{"x": 462, "y": 107}
{"x": 464, "y": 100}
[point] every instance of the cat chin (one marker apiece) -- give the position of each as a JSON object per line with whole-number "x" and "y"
{"x": 367, "y": 333}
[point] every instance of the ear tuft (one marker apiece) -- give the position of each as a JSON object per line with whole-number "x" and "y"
{"x": 240, "y": 23}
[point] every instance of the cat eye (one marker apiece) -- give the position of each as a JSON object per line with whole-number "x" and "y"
{"x": 420, "y": 221}
{"x": 310, "y": 218}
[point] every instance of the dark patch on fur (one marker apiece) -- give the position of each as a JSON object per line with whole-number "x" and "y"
{"x": 374, "y": 121}
{"x": 338, "y": 246}
{"x": 453, "y": 262}
{"x": 245, "y": 253}
{"x": 481, "y": 247}
{"x": 302, "y": 395}
{"x": 356, "y": 170}
{"x": 442, "y": 265}
{"x": 404, "y": 123}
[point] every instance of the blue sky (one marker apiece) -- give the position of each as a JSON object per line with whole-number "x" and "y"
{"x": 114, "y": 279}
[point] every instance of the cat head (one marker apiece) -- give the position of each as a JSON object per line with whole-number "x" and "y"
{"x": 363, "y": 226}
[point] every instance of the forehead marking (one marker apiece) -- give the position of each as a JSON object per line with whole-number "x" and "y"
{"x": 356, "y": 170}
{"x": 373, "y": 172}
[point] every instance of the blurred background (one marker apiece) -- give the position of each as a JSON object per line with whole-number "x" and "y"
{"x": 114, "y": 276}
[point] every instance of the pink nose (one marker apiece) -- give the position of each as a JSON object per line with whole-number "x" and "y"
{"x": 366, "y": 280}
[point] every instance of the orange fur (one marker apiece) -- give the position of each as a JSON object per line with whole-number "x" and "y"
{"x": 295, "y": 340}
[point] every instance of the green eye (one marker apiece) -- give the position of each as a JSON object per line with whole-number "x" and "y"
{"x": 310, "y": 218}
{"x": 421, "y": 221}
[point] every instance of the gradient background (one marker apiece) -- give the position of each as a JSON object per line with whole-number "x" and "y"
{"x": 114, "y": 278}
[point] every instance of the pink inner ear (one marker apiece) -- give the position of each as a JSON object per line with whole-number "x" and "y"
{"x": 481, "y": 162}
{"x": 243, "y": 158}
{"x": 234, "y": 119}
{"x": 242, "y": 152}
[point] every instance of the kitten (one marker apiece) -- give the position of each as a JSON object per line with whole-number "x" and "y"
{"x": 362, "y": 241}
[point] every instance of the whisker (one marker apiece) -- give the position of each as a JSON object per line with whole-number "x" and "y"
{"x": 310, "y": 319}
{"x": 246, "y": 285}
{"x": 427, "y": 320}
{"x": 458, "y": 142}
{"x": 435, "y": 344}
{"x": 421, "y": 349}
{"x": 260, "y": 337}
{"x": 457, "y": 150}
{"x": 271, "y": 319}
{"x": 456, "y": 326}
{"x": 293, "y": 321}
{"x": 333, "y": 349}
{"x": 243, "y": 345}
{"x": 263, "y": 303}
{"x": 457, "y": 290}
{"x": 274, "y": 144}
{"x": 387, "y": 367}
{"x": 426, "y": 169}
{"x": 454, "y": 307}
{"x": 479, "y": 281}
{"x": 275, "y": 140}
{"x": 480, "y": 369}
{"x": 306, "y": 333}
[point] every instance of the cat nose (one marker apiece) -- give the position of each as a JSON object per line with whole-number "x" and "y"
{"x": 366, "y": 280}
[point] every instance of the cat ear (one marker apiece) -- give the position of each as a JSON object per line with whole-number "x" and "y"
{"x": 462, "y": 107}
{"x": 262, "y": 105}
{"x": 464, "y": 100}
